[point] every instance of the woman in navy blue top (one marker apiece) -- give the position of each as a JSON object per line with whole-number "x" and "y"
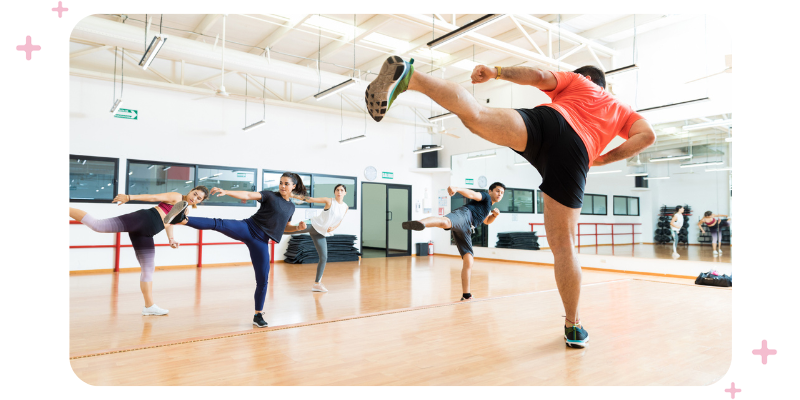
{"x": 269, "y": 222}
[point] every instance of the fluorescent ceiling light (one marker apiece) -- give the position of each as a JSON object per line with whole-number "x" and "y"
{"x": 604, "y": 172}
{"x": 189, "y": 181}
{"x": 84, "y": 163}
{"x": 701, "y": 164}
{"x": 108, "y": 184}
{"x": 478, "y": 23}
{"x": 729, "y": 139}
{"x": 329, "y": 25}
{"x": 338, "y": 88}
{"x": 116, "y": 106}
{"x": 441, "y": 117}
{"x": 428, "y": 149}
{"x": 216, "y": 174}
{"x": 670, "y": 158}
{"x": 254, "y": 125}
{"x": 719, "y": 169}
{"x": 638, "y": 174}
{"x": 203, "y": 178}
{"x": 466, "y": 65}
{"x": 683, "y": 103}
{"x": 151, "y": 166}
{"x": 130, "y": 173}
{"x": 719, "y": 122}
{"x": 481, "y": 156}
{"x": 166, "y": 168}
{"x": 152, "y": 51}
{"x": 386, "y": 41}
{"x": 660, "y": 177}
{"x": 353, "y": 139}
{"x": 631, "y": 67}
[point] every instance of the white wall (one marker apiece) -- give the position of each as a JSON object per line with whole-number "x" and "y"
{"x": 178, "y": 127}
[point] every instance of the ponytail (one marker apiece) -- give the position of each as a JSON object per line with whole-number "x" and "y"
{"x": 299, "y": 188}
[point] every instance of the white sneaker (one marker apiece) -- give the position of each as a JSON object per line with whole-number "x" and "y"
{"x": 318, "y": 287}
{"x": 675, "y": 255}
{"x": 719, "y": 252}
{"x": 154, "y": 310}
{"x": 715, "y": 253}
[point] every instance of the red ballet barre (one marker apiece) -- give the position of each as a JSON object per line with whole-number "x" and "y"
{"x": 596, "y": 224}
{"x": 118, "y": 245}
{"x": 536, "y": 223}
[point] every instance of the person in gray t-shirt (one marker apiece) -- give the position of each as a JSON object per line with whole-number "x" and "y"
{"x": 461, "y": 222}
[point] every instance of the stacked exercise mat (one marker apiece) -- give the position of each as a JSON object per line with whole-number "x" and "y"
{"x": 518, "y": 240}
{"x": 340, "y": 248}
{"x": 724, "y": 228}
{"x": 663, "y": 233}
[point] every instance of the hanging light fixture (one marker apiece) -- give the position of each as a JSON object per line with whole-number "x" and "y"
{"x": 344, "y": 85}
{"x": 118, "y": 101}
{"x": 151, "y": 51}
{"x": 478, "y": 23}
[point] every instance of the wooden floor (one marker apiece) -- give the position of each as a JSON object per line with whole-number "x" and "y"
{"x": 662, "y": 251}
{"x": 396, "y": 322}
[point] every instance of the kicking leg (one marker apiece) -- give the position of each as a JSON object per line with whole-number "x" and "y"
{"x": 428, "y": 222}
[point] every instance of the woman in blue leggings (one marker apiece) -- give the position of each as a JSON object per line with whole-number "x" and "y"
{"x": 269, "y": 222}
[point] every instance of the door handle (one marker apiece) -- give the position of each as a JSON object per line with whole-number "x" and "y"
{"x": 389, "y": 215}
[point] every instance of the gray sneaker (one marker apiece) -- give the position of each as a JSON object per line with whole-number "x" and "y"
{"x": 177, "y": 214}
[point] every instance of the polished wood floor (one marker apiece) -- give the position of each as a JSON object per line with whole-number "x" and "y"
{"x": 662, "y": 251}
{"x": 395, "y": 322}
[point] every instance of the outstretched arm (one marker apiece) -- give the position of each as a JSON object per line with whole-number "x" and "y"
{"x": 470, "y": 194}
{"x": 326, "y": 200}
{"x": 543, "y": 80}
{"x": 640, "y": 137}
{"x": 236, "y": 194}
{"x": 294, "y": 228}
{"x": 169, "y": 198}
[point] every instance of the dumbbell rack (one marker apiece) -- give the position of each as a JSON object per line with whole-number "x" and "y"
{"x": 705, "y": 238}
{"x": 663, "y": 232}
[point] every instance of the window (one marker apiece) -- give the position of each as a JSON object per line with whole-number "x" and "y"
{"x": 539, "y": 202}
{"x": 457, "y": 200}
{"x": 154, "y": 177}
{"x": 93, "y": 179}
{"x": 625, "y": 205}
{"x": 317, "y": 185}
{"x": 323, "y": 186}
{"x": 227, "y": 178}
{"x": 516, "y": 201}
{"x": 594, "y": 204}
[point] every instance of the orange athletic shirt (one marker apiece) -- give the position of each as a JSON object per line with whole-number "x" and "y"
{"x": 593, "y": 113}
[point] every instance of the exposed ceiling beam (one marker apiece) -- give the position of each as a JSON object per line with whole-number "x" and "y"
{"x": 375, "y": 63}
{"x": 208, "y": 21}
{"x": 362, "y": 31}
{"x": 527, "y": 19}
{"x": 234, "y": 96}
{"x": 275, "y": 36}
{"x": 564, "y": 17}
{"x": 620, "y": 25}
{"x": 88, "y": 51}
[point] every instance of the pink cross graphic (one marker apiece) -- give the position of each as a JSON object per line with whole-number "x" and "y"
{"x": 28, "y": 48}
{"x": 764, "y": 352}
{"x": 733, "y": 390}
{"x": 60, "y": 9}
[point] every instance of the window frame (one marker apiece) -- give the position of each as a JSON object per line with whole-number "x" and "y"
{"x": 605, "y": 196}
{"x": 310, "y": 187}
{"x": 196, "y": 177}
{"x": 115, "y": 183}
{"x": 638, "y": 209}
{"x": 510, "y": 189}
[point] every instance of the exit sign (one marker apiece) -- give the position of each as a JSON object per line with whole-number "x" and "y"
{"x": 387, "y": 175}
{"x": 470, "y": 182}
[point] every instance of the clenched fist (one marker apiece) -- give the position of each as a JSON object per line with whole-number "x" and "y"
{"x": 482, "y": 73}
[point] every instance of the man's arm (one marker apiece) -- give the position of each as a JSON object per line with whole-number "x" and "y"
{"x": 640, "y": 137}
{"x": 472, "y": 195}
{"x": 543, "y": 80}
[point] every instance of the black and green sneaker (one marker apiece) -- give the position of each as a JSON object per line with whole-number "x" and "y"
{"x": 391, "y": 81}
{"x": 576, "y": 336}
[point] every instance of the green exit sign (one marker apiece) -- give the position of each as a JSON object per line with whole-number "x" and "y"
{"x": 470, "y": 182}
{"x": 387, "y": 175}
{"x": 125, "y": 113}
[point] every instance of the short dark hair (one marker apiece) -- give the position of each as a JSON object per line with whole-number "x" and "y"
{"x": 496, "y": 184}
{"x": 678, "y": 208}
{"x": 595, "y": 74}
{"x": 337, "y": 186}
{"x": 707, "y": 214}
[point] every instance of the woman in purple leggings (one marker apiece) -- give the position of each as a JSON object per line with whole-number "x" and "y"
{"x": 713, "y": 222}
{"x": 141, "y": 226}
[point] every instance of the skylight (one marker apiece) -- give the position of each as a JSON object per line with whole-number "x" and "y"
{"x": 328, "y": 25}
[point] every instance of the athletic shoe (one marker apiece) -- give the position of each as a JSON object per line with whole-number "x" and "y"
{"x": 576, "y": 336}
{"x": 413, "y": 225}
{"x": 391, "y": 81}
{"x": 318, "y": 287}
{"x": 675, "y": 255}
{"x": 154, "y": 310}
{"x": 719, "y": 252}
{"x": 177, "y": 214}
{"x": 258, "y": 320}
{"x": 464, "y": 298}
{"x": 715, "y": 253}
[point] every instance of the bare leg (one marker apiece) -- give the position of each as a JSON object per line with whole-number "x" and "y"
{"x": 76, "y": 214}
{"x": 147, "y": 292}
{"x": 502, "y": 126}
{"x": 437, "y": 222}
{"x": 466, "y": 272}
{"x": 561, "y": 222}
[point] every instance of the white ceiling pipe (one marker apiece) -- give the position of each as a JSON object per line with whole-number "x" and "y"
{"x": 107, "y": 32}
{"x": 222, "y": 70}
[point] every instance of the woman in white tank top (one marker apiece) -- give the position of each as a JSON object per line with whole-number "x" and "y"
{"x": 323, "y": 225}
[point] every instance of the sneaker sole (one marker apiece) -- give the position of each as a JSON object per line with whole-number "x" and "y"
{"x": 576, "y": 344}
{"x": 176, "y": 209}
{"x": 318, "y": 290}
{"x": 413, "y": 225}
{"x": 155, "y": 313}
{"x": 381, "y": 89}
{"x": 259, "y": 326}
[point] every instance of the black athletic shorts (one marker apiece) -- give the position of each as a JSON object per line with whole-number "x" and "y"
{"x": 558, "y": 153}
{"x": 461, "y": 222}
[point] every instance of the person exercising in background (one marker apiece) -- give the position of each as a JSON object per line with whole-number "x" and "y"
{"x": 461, "y": 222}
{"x": 713, "y": 222}
{"x": 676, "y": 224}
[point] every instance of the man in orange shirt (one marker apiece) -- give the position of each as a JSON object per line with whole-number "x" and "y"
{"x": 561, "y": 139}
